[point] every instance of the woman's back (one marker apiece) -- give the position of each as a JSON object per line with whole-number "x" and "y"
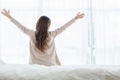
{"x": 48, "y": 57}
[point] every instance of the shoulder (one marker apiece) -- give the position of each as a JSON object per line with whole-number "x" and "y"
{"x": 32, "y": 33}
{"x": 51, "y": 33}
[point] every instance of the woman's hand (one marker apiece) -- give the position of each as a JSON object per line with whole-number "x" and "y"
{"x": 6, "y": 13}
{"x": 79, "y": 15}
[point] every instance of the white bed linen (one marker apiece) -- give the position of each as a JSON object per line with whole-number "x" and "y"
{"x": 1, "y": 62}
{"x": 39, "y": 72}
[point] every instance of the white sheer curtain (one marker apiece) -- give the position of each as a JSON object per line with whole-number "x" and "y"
{"x": 106, "y": 22}
{"x": 14, "y": 44}
{"x": 72, "y": 44}
{"x": 92, "y": 40}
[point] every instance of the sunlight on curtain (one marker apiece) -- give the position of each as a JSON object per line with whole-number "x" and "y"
{"x": 71, "y": 44}
{"x": 106, "y": 18}
{"x": 14, "y": 43}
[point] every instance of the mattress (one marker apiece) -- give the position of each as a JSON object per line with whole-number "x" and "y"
{"x": 70, "y": 72}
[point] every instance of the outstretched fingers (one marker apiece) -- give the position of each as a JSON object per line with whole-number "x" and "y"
{"x": 79, "y": 15}
{"x": 6, "y": 13}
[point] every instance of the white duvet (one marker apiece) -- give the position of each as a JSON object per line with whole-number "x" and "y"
{"x": 39, "y": 72}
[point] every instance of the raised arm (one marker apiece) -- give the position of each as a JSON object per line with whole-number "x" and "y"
{"x": 20, "y": 26}
{"x": 62, "y": 28}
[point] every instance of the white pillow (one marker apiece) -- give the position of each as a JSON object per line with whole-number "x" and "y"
{"x": 1, "y": 62}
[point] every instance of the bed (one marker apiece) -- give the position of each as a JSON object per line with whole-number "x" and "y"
{"x": 76, "y": 72}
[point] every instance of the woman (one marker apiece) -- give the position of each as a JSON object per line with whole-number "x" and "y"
{"x": 42, "y": 46}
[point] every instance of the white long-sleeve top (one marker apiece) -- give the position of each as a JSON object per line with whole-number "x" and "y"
{"x": 49, "y": 57}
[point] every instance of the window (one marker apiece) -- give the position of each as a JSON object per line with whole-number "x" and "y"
{"x": 106, "y": 17}
{"x": 15, "y": 44}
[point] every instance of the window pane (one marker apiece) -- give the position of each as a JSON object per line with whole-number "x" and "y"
{"x": 106, "y": 4}
{"x": 72, "y": 44}
{"x": 107, "y": 36}
{"x": 15, "y": 44}
{"x": 65, "y": 4}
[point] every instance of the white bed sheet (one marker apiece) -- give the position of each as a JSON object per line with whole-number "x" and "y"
{"x": 78, "y": 72}
{"x": 1, "y": 62}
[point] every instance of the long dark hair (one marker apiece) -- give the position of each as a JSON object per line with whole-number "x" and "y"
{"x": 42, "y": 27}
